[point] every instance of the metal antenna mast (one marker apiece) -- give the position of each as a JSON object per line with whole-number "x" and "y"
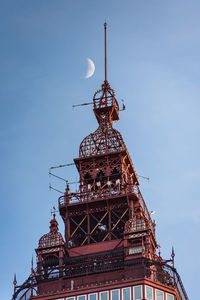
{"x": 105, "y": 86}
{"x": 105, "y": 26}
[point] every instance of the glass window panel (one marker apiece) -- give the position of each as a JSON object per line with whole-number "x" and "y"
{"x": 82, "y": 297}
{"x": 149, "y": 293}
{"x": 159, "y": 295}
{"x": 126, "y": 292}
{"x": 115, "y": 294}
{"x": 104, "y": 295}
{"x": 170, "y": 297}
{"x": 138, "y": 292}
{"x": 93, "y": 296}
{"x": 70, "y": 298}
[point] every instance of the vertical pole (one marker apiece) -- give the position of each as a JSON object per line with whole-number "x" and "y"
{"x": 109, "y": 223}
{"x": 172, "y": 256}
{"x": 61, "y": 263}
{"x": 105, "y": 26}
{"x": 15, "y": 285}
{"x": 32, "y": 276}
{"x": 88, "y": 225}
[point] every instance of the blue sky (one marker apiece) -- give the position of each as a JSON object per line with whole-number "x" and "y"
{"x": 153, "y": 64}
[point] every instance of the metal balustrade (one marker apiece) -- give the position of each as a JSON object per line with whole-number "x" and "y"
{"x": 74, "y": 267}
{"x": 106, "y": 193}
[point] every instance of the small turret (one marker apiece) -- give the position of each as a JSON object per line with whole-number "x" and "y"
{"x": 51, "y": 248}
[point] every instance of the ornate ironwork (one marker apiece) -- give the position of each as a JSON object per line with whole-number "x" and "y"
{"x": 104, "y": 262}
{"x": 107, "y": 206}
{"x": 104, "y": 140}
{"x": 51, "y": 239}
{"x": 107, "y": 193}
{"x": 137, "y": 223}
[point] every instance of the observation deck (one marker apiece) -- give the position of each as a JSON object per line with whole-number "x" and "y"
{"x": 105, "y": 194}
{"x": 85, "y": 272}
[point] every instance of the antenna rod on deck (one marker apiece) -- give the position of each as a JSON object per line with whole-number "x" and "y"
{"x": 61, "y": 166}
{"x": 83, "y": 104}
{"x": 147, "y": 178}
{"x": 51, "y": 188}
{"x": 51, "y": 174}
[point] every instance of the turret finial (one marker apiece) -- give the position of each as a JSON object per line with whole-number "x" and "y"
{"x": 53, "y": 212}
{"x": 32, "y": 265}
{"x": 172, "y": 256}
{"x": 15, "y": 282}
{"x": 53, "y": 222}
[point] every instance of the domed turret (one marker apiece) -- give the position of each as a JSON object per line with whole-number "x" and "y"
{"x": 51, "y": 249}
{"x": 52, "y": 238}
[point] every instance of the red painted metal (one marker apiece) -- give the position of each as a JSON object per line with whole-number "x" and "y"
{"x": 109, "y": 235}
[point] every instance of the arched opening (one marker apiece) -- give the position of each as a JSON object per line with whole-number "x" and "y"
{"x": 100, "y": 179}
{"x": 50, "y": 261}
{"x": 115, "y": 176}
{"x": 88, "y": 179}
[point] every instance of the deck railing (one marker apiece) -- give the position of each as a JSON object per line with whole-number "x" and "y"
{"x": 106, "y": 193}
{"x": 79, "y": 267}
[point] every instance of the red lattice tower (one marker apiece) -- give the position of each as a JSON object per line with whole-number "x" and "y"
{"x": 109, "y": 195}
{"x": 110, "y": 244}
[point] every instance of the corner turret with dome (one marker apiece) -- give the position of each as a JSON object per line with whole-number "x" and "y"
{"x": 53, "y": 238}
{"x": 51, "y": 251}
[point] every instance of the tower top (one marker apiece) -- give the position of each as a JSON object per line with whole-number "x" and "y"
{"x": 110, "y": 242}
{"x": 105, "y": 107}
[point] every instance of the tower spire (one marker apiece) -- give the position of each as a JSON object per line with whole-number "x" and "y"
{"x": 172, "y": 256}
{"x": 105, "y": 27}
{"x": 32, "y": 265}
{"x": 15, "y": 282}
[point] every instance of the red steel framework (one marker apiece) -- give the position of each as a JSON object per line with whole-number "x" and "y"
{"x": 109, "y": 234}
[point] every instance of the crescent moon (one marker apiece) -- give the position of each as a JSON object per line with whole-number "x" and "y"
{"x": 90, "y": 69}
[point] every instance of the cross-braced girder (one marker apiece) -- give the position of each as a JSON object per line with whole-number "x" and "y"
{"x": 95, "y": 226}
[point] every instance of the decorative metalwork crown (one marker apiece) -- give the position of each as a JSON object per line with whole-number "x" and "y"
{"x": 51, "y": 239}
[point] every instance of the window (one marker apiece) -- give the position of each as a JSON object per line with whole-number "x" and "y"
{"x": 170, "y": 297}
{"x": 82, "y": 297}
{"x": 149, "y": 292}
{"x": 115, "y": 295}
{"x": 71, "y": 298}
{"x": 93, "y": 296}
{"x": 159, "y": 295}
{"x": 104, "y": 295}
{"x": 137, "y": 292}
{"x": 126, "y": 293}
